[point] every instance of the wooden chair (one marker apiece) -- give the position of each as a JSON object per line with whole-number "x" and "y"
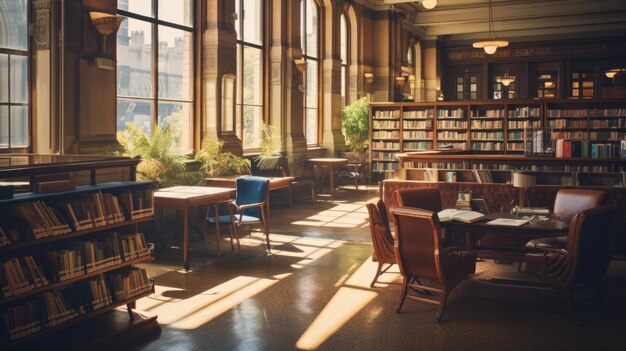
{"x": 382, "y": 240}
{"x": 420, "y": 256}
{"x": 583, "y": 261}
{"x": 425, "y": 198}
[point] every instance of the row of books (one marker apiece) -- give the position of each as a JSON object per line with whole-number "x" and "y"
{"x": 584, "y": 148}
{"x": 385, "y": 124}
{"x": 487, "y": 146}
{"x": 524, "y": 112}
{"x": 418, "y": 145}
{"x": 568, "y": 123}
{"x": 524, "y": 124}
{"x": 608, "y": 123}
{"x": 487, "y": 136}
{"x": 385, "y": 134}
{"x": 491, "y": 124}
{"x": 417, "y": 134}
{"x": 386, "y": 145}
{"x": 418, "y": 114}
{"x": 378, "y": 155}
{"x": 39, "y": 219}
{"x": 55, "y": 307}
{"x": 583, "y": 112}
{"x": 452, "y": 124}
{"x": 418, "y": 124}
{"x": 487, "y": 114}
{"x": 387, "y": 114}
{"x": 456, "y": 113}
{"x": 19, "y": 275}
{"x": 450, "y": 135}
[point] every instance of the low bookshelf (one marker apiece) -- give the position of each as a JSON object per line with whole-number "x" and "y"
{"x": 69, "y": 256}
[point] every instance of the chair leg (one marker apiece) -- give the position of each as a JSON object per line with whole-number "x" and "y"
{"x": 233, "y": 229}
{"x": 442, "y": 304}
{"x": 289, "y": 189}
{"x": 380, "y": 266}
{"x": 313, "y": 192}
{"x": 356, "y": 177}
{"x": 570, "y": 306}
{"x": 266, "y": 229}
{"x": 405, "y": 286}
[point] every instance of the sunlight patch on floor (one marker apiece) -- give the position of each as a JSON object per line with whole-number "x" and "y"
{"x": 340, "y": 216}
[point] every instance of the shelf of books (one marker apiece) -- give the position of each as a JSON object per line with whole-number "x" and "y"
{"x": 69, "y": 256}
{"x": 579, "y": 128}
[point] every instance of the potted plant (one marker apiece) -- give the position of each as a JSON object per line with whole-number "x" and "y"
{"x": 216, "y": 163}
{"x": 270, "y": 155}
{"x": 158, "y": 162}
{"x": 355, "y": 126}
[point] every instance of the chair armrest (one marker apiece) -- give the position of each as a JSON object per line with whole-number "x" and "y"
{"x": 243, "y": 207}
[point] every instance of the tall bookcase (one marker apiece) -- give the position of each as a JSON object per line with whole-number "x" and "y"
{"x": 69, "y": 256}
{"x": 489, "y": 127}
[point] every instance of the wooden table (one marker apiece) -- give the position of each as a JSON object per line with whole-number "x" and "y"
{"x": 527, "y": 231}
{"x": 329, "y": 163}
{"x": 185, "y": 197}
{"x": 231, "y": 182}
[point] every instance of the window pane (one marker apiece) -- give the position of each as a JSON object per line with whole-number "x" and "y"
{"x": 251, "y": 126}
{"x": 344, "y": 40}
{"x": 175, "y": 63}
{"x": 137, "y": 111}
{"x": 134, "y": 59}
{"x": 178, "y": 117}
{"x": 4, "y": 78}
{"x": 13, "y": 22}
{"x": 19, "y": 126}
{"x": 239, "y": 78}
{"x": 252, "y": 76}
{"x": 4, "y": 126}
{"x": 176, "y": 11}
{"x": 311, "y": 84}
{"x": 253, "y": 21}
{"x": 140, "y": 7}
{"x": 19, "y": 79}
{"x": 311, "y": 29}
{"x": 238, "y": 19}
{"x": 311, "y": 126}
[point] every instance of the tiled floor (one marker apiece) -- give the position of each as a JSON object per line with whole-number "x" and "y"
{"x": 313, "y": 293}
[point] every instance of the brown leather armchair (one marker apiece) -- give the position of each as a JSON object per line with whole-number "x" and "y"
{"x": 420, "y": 255}
{"x": 425, "y": 198}
{"x": 382, "y": 240}
{"x": 583, "y": 261}
{"x": 568, "y": 202}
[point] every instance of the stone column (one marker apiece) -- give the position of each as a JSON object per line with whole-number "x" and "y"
{"x": 431, "y": 78}
{"x": 219, "y": 47}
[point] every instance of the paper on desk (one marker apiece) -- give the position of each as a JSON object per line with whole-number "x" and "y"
{"x": 509, "y": 222}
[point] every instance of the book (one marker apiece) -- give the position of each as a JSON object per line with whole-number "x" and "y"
{"x": 450, "y": 214}
{"x": 509, "y": 222}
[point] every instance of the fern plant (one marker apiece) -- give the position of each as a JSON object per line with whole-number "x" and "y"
{"x": 270, "y": 149}
{"x": 216, "y": 163}
{"x": 158, "y": 162}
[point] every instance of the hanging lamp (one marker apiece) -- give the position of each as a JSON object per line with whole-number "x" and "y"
{"x": 429, "y": 4}
{"x": 490, "y": 46}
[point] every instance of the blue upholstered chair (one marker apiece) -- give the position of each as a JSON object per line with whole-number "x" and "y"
{"x": 248, "y": 207}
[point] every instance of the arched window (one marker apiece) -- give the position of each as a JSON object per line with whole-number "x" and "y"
{"x": 14, "y": 77}
{"x": 343, "y": 52}
{"x": 310, "y": 52}
{"x": 155, "y": 65}
{"x": 249, "y": 24}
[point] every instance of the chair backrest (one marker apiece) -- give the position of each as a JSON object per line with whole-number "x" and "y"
{"x": 417, "y": 243}
{"x": 382, "y": 240}
{"x": 425, "y": 198}
{"x": 252, "y": 190}
{"x": 568, "y": 202}
{"x": 589, "y": 240}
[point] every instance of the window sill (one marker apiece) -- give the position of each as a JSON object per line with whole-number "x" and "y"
{"x": 315, "y": 148}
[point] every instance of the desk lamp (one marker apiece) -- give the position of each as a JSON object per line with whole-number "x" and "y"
{"x": 523, "y": 181}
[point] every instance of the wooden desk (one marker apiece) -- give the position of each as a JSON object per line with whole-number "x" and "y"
{"x": 329, "y": 163}
{"x": 528, "y": 231}
{"x": 185, "y": 197}
{"x": 231, "y": 182}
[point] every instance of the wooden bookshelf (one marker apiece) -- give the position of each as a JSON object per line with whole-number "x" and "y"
{"x": 85, "y": 238}
{"x": 491, "y": 127}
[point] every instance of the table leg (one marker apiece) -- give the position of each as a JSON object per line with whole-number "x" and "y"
{"x": 185, "y": 236}
{"x": 217, "y": 232}
{"x": 332, "y": 183}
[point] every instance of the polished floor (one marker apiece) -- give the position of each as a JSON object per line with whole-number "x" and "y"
{"x": 313, "y": 293}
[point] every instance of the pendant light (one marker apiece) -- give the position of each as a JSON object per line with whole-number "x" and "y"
{"x": 490, "y": 46}
{"x": 506, "y": 79}
{"x": 429, "y": 4}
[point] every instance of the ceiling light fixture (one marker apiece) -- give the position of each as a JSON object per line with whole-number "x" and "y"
{"x": 490, "y": 46}
{"x": 613, "y": 72}
{"x": 506, "y": 79}
{"x": 429, "y": 4}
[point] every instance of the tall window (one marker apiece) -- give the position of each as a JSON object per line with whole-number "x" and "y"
{"x": 343, "y": 29}
{"x": 155, "y": 67}
{"x": 249, "y": 100}
{"x": 14, "y": 78}
{"x": 310, "y": 52}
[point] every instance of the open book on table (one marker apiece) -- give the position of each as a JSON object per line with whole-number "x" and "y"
{"x": 450, "y": 214}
